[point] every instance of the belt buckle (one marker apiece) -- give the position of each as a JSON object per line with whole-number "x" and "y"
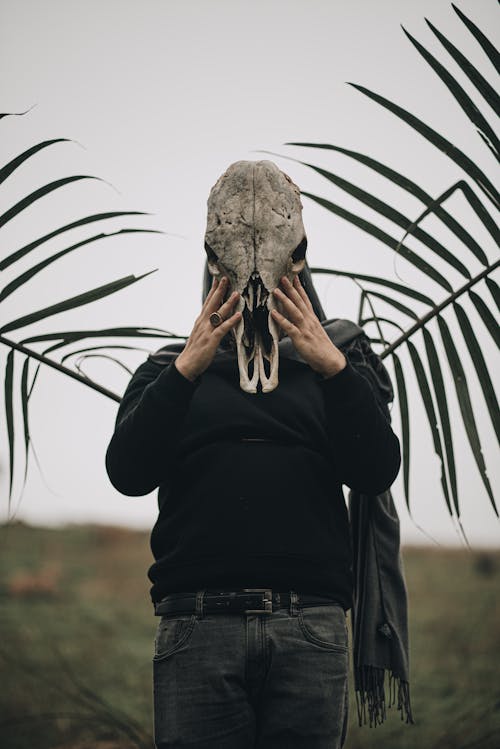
{"x": 268, "y": 601}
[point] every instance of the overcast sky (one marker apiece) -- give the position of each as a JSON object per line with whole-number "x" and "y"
{"x": 158, "y": 98}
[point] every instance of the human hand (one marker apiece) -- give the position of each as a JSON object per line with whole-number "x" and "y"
{"x": 303, "y": 327}
{"x": 202, "y": 343}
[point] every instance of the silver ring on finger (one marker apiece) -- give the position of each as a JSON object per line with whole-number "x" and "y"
{"x": 216, "y": 319}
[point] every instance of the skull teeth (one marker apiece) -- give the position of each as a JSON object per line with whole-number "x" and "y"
{"x": 257, "y": 338}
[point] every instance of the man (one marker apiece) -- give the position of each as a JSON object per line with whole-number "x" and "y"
{"x": 253, "y": 560}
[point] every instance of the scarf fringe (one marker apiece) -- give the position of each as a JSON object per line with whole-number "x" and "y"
{"x": 370, "y": 695}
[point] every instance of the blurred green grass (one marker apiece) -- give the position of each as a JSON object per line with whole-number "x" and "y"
{"x": 77, "y": 630}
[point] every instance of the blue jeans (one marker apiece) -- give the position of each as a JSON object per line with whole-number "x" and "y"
{"x": 252, "y": 681}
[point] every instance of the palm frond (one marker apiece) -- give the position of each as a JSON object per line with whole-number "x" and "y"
{"x": 31, "y": 272}
{"x": 444, "y": 415}
{"x": 409, "y": 186}
{"x": 18, "y": 254}
{"x": 464, "y": 401}
{"x": 25, "y": 401}
{"x": 415, "y": 311}
{"x": 65, "y": 338}
{"x": 84, "y": 357}
{"x": 479, "y": 81}
{"x": 490, "y": 50}
{"x": 486, "y": 316}
{"x": 383, "y": 237}
{"x": 426, "y": 394}
{"x": 16, "y": 162}
{"x": 9, "y": 416}
{"x": 494, "y": 290}
{"x": 405, "y": 425}
{"x": 76, "y": 301}
{"x": 68, "y": 336}
{"x": 439, "y": 141}
{"x": 480, "y": 366}
{"x": 460, "y": 95}
{"x": 107, "y": 348}
{"x": 388, "y": 212}
{"x": 42, "y": 192}
{"x": 379, "y": 281}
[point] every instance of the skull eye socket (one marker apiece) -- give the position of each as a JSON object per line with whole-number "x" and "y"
{"x": 299, "y": 256}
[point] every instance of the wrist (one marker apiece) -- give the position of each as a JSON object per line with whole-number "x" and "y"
{"x": 333, "y": 366}
{"x": 184, "y": 369}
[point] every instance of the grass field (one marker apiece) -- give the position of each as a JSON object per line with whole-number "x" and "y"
{"x": 76, "y": 634}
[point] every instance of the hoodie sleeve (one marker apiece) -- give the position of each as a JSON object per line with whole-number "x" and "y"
{"x": 367, "y": 450}
{"x": 149, "y": 419}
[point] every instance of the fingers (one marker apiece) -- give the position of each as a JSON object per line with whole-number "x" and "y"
{"x": 221, "y": 330}
{"x": 226, "y": 308}
{"x": 292, "y": 292}
{"x": 289, "y": 307}
{"x": 303, "y": 293}
{"x": 296, "y": 306}
{"x": 215, "y": 283}
{"x": 217, "y": 296}
{"x": 224, "y": 311}
{"x": 289, "y": 328}
{"x": 294, "y": 299}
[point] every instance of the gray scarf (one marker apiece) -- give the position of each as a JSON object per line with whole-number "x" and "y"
{"x": 379, "y": 615}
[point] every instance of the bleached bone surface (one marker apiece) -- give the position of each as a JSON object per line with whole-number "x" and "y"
{"x": 254, "y": 227}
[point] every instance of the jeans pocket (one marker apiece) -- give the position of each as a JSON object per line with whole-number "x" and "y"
{"x": 324, "y": 625}
{"x": 172, "y": 633}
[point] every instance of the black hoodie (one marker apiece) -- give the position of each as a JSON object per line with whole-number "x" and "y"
{"x": 250, "y": 485}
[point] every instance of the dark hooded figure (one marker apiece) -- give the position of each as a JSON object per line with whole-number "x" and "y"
{"x": 249, "y": 430}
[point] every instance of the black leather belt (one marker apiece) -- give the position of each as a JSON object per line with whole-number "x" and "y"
{"x": 243, "y": 601}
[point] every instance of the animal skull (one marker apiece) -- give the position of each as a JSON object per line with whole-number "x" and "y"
{"x": 254, "y": 237}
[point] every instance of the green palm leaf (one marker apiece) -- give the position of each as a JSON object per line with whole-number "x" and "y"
{"x": 495, "y": 293}
{"x": 27, "y": 275}
{"x": 100, "y": 348}
{"x": 404, "y": 300}
{"x": 76, "y": 301}
{"x": 21, "y": 205}
{"x": 485, "y": 43}
{"x": 487, "y": 317}
{"x": 480, "y": 366}
{"x": 65, "y": 338}
{"x": 394, "y": 303}
{"x": 83, "y": 358}
{"x": 9, "y": 417}
{"x": 24, "y": 404}
{"x": 476, "y": 205}
{"x": 379, "y": 281}
{"x": 444, "y": 416}
{"x": 484, "y": 88}
{"x": 365, "y": 320}
{"x": 68, "y": 336}
{"x": 464, "y": 401}
{"x": 15, "y": 163}
{"x": 425, "y": 392}
{"x": 439, "y": 141}
{"x": 405, "y": 425}
{"x": 458, "y": 94}
{"x": 393, "y": 215}
{"x": 16, "y": 114}
{"x": 408, "y": 186}
{"x": 384, "y": 237}
{"x": 18, "y": 254}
